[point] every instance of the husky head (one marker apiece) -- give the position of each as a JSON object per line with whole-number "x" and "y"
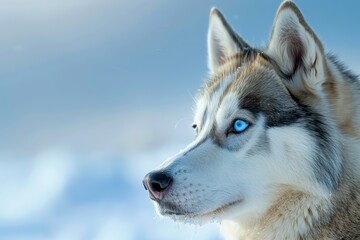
{"x": 263, "y": 126}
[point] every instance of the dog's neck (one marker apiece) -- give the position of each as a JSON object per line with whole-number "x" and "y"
{"x": 345, "y": 219}
{"x": 293, "y": 216}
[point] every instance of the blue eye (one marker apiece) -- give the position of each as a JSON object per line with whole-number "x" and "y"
{"x": 240, "y": 126}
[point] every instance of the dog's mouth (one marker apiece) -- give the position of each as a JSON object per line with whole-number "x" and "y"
{"x": 174, "y": 212}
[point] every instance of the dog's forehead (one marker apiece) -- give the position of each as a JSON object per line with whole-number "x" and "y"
{"x": 253, "y": 85}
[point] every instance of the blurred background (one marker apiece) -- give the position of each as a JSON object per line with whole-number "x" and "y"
{"x": 94, "y": 94}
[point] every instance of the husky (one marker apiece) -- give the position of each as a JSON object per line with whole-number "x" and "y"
{"x": 276, "y": 152}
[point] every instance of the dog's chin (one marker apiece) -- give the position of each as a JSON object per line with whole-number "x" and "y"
{"x": 198, "y": 217}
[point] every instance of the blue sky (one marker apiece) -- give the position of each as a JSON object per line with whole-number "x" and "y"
{"x": 70, "y": 63}
{"x": 96, "y": 93}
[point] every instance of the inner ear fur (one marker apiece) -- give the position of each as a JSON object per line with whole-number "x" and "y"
{"x": 295, "y": 47}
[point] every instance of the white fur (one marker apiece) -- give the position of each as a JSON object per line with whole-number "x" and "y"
{"x": 205, "y": 180}
{"x": 288, "y": 145}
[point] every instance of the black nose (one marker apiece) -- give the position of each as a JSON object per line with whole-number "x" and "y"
{"x": 157, "y": 183}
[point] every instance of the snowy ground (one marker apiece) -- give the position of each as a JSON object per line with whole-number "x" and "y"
{"x": 60, "y": 196}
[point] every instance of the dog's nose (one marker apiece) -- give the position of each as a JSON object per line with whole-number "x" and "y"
{"x": 157, "y": 183}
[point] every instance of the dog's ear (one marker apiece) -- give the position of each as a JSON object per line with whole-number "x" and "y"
{"x": 296, "y": 49}
{"x": 223, "y": 42}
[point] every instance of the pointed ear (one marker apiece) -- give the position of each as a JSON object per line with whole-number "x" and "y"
{"x": 295, "y": 47}
{"x": 223, "y": 42}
